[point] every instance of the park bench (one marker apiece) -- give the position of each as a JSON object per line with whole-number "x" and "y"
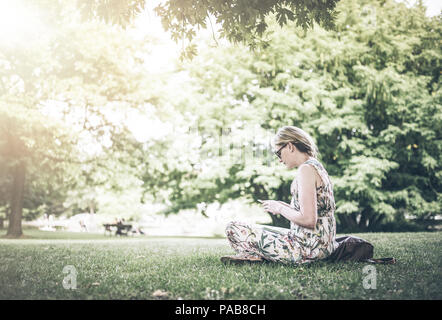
{"x": 120, "y": 228}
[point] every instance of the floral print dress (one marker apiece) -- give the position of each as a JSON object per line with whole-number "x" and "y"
{"x": 296, "y": 245}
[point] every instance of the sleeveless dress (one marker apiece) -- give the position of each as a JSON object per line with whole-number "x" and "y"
{"x": 298, "y": 244}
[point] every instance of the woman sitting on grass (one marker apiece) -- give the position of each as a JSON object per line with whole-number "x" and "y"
{"x": 311, "y": 212}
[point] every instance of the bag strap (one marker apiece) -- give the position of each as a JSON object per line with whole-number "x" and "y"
{"x": 381, "y": 261}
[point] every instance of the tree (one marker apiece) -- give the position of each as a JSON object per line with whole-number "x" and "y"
{"x": 368, "y": 93}
{"x": 240, "y": 20}
{"x": 59, "y": 94}
{"x": 224, "y": 153}
{"x": 24, "y": 130}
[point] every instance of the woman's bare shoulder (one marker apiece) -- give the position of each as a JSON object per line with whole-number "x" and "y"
{"x": 306, "y": 169}
{"x": 309, "y": 172}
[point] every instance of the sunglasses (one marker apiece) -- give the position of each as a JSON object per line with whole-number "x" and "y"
{"x": 278, "y": 153}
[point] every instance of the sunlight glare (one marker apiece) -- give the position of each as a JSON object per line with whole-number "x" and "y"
{"x": 145, "y": 128}
{"x": 17, "y": 22}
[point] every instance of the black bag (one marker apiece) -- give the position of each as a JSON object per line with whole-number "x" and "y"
{"x": 353, "y": 248}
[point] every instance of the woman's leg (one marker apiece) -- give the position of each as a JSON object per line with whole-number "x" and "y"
{"x": 241, "y": 237}
{"x": 270, "y": 243}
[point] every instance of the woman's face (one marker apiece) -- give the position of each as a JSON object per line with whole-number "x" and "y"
{"x": 291, "y": 156}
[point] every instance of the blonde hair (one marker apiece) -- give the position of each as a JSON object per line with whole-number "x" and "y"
{"x": 299, "y": 138}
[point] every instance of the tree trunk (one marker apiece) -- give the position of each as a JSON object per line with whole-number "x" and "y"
{"x": 14, "y": 228}
{"x": 348, "y": 222}
{"x": 362, "y": 226}
{"x": 377, "y": 221}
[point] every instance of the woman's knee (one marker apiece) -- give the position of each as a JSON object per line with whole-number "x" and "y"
{"x": 230, "y": 227}
{"x": 234, "y": 224}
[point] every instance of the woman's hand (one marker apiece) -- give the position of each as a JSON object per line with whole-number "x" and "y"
{"x": 280, "y": 208}
{"x": 272, "y": 206}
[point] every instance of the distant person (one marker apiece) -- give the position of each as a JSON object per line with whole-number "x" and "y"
{"x": 83, "y": 226}
{"x": 119, "y": 227}
{"x": 311, "y": 212}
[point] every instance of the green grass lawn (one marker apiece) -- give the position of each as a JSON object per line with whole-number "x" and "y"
{"x": 189, "y": 268}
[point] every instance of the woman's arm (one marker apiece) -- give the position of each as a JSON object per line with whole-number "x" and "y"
{"x": 307, "y": 215}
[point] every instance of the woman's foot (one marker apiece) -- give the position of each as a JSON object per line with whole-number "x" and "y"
{"x": 241, "y": 258}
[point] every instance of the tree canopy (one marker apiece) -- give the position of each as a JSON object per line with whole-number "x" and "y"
{"x": 368, "y": 91}
{"x": 61, "y": 99}
{"x": 239, "y": 20}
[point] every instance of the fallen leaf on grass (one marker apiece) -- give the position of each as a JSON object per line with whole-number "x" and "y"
{"x": 160, "y": 294}
{"x": 227, "y": 290}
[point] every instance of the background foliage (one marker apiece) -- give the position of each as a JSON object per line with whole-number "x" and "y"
{"x": 369, "y": 94}
{"x": 368, "y": 91}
